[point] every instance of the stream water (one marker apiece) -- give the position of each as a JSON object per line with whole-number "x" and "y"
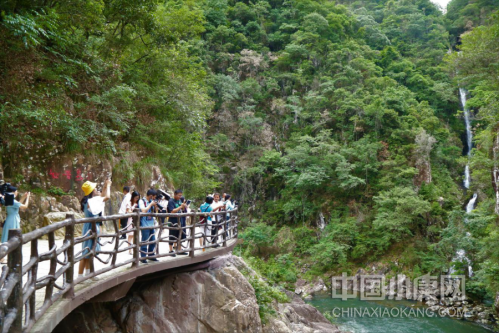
{"x": 412, "y": 324}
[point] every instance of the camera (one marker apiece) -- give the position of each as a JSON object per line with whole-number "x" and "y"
{"x": 157, "y": 200}
{"x": 4, "y": 188}
{"x": 163, "y": 194}
{"x": 8, "y": 198}
{"x": 159, "y": 196}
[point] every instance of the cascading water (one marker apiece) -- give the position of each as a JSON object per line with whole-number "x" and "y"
{"x": 461, "y": 254}
{"x": 469, "y": 134}
{"x": 321, "y": 222}
{"x": 471, "y": 204}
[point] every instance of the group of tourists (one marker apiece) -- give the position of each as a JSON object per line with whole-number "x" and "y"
{"x": 156, "y": 201}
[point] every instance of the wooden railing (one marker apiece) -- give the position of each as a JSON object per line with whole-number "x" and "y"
{"x": 19, "y": 283}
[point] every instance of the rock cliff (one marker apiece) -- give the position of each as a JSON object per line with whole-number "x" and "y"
{"x": 218, "y": 298}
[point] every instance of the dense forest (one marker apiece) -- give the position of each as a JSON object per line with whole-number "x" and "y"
{"x": 336, "y": 125}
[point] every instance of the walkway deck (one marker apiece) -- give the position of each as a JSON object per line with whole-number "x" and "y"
{"x": 40, "y": 284}
{"x": 88, "y": 289}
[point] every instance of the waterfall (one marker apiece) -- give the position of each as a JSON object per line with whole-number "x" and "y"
{"x": 461, "y": 254}
{"x": 469, "y": 134}
{"x": 321, "y": 223}
{"x": 471, "y": 204}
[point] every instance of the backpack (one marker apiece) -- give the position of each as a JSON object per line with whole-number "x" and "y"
{"x": 203, "y": 219}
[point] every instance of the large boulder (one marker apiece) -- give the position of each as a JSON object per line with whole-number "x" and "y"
{"x": 215, "y": 299}
{"x": 298, "y": 316}
{"x": 55, "y": 217}
{"x": 305, "y": 288}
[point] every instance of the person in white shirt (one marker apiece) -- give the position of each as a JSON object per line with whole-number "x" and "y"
{"x": 130, "y": 206}
{"x": 217, "y": 206}
{"x": 126, "y": 200}
{"x": 228, "y": 207}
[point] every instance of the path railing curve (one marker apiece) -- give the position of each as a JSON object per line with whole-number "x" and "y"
{"x": 19, "y": 282}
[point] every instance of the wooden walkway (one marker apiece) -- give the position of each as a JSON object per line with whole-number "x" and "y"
{"x": 51, "y": 288}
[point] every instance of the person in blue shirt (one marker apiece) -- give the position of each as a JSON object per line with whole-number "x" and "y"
{"x": 13, "y": 220}
{"x": 146, "y": 205}
{"x": 175, "y": 205}
{"x": 205, "y": 220}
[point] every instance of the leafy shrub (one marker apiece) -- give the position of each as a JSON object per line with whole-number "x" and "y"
{"x": 258, "y": 237}
{"x": 56, "y": 191}
{"x": 278, "y": 270}
{"x": 265, "y": 296}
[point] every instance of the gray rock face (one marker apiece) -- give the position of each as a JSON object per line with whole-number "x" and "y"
{"x": 216, "y": 299}
{"x": 298, "y": 316}
{"x": 55, "y": 217}
{"x": 305, "y": 289}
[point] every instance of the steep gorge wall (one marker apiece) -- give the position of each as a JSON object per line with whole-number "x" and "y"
{"x": 66, "y": 174}
{"x": 216, "y": 299}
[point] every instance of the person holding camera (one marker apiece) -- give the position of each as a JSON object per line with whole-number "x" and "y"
{"x": 147, "y": 205}
{"x": 13, "y": 220}
{"x": 162, "y": 201}
{"x": 92, "y": 205}
{"x": 175, "y": 205}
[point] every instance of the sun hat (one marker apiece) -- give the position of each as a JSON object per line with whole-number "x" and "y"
{"x": 88, "y": 187}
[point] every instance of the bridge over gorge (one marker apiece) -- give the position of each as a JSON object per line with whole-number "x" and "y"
{"x": 39, "y": 285}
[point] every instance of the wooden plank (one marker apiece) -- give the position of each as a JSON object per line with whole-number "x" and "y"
{"x": 33, "y": 272}
{"x": 15, "y": 300}
{"x": 53, "y": 266}
{"x": 70, "y": 255}
{"x": 136, "y": 238}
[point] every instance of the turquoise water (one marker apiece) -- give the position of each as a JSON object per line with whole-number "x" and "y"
{"x": 412, "y": 324}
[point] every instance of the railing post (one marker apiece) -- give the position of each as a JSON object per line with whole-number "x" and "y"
{"x": 116, "y": 242}
{"x": 193, "y": 235}
{"x": 70, "y": 237}
{"x": 180, "y": 233}
{"x": 33, "y": 272}
{"x": 235, "y": 232}
{"x": 136, "y": 238}
{"x": 53, "y": 266}
{"x": 15, "y": 300}
{"x": 158, "y": 238}
{"x": 224, "y": 228}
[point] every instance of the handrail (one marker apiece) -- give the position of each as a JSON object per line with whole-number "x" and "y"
{"x": 19, "y": 283}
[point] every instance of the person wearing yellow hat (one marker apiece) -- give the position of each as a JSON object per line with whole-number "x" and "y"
{"x": 92, "y": 205}
{"x": 88, "y": 187}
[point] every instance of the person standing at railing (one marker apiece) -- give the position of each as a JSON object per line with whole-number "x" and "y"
{"x": 217, "y": 206}
{"x": 13, "y": 220}
{"x": 147, "y": 205}
{"x": 162, "y": 204}
{"x": 92, "y": 205}
{"x": 183, "y": 221}
{"x": 126, "y": 200}
{"x": 175, "y": 205}
{"x": 228, "y": 207}
{"x": 130, "y": 207}
{"x": 205, "y": 220}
